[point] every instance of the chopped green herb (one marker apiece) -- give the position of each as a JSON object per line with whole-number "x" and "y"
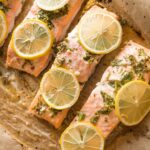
{"x": 132, "y": 59}
{"x": 115, "y": 84}
{"x": 54, "y": 112}
{"x": 48, "y": 16}
{"x": 69, "y": 60}
{"x": 108, "y": 100}
{"x": 3, "y": 7}
{"x": 105, "y": 110}
{"x": 28, "y": 62}
{"x": 140, "y": 67}
{"x": 108, "y": 76}
{"x": 94, "y": 119}
{"x": 88, "y": 57}
{"x": 59, "y": 61}
{"x": 112, "y": 83}
{"x": 123, "y": 22}
{"x": 105, "y": 1}
{"x": 141, "y": 76}
{"x": 127, "y": 78}
{"x": 81, "y": 116}
{"x": 40, "y": 108}
{"x": 116, "y": 62}
{"x": 63, "y": 46}
{"x": 142, "y": 52}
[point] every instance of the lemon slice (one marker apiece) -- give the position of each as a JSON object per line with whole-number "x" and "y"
{"x": 99, "y": 33}
{"x": 3, "y": 27}
{"x": 60, "y": 88}
{"x": 133, "y": 102}
{"x": 51, "y": 5}
{"x": 82, "y": 136}
{"x": 32, "y": 39}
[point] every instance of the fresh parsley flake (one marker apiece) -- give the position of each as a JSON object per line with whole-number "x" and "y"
{"x": 116, "y": 62}
{"x": 81, "y": 116}
{"x": 48, "y": 16}
{"x": 89, "y": 58}
{"x": 3, "y": 7}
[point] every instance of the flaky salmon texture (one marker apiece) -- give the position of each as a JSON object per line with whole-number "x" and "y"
{"x": 130, "y": 64}
{"x": 71, "y": 56}
{"x": 61, "y": 25}
{"x": 14, "y": 8}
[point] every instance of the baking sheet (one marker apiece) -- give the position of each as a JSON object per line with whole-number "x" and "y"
{"x": 17, "y": 90}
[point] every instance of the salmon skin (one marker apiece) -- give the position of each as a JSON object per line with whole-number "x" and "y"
{"x": 131, "y": 63}
{"x": 74, "y": 57}
{"x": 60, "y": 27}
{"x": 13, "y": 9}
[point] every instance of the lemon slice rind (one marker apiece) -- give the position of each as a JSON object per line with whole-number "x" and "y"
{"x": 4, "y": 26}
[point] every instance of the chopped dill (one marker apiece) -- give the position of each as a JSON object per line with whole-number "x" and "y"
{"x": 116, "y": 62}
{"x": 127, "y": 78}
{"x": 81, "y": 116}
{"x": 106, "y": 109}
{"x": 59, "y": 61}
{"x": 3, "y": 7}
{"x": 123, "y": 22}
{"x": 63, "y": 46}
{"x": 40, "y": 108}
{"x": 54, "y": 112}
{"x": 108, "y": 100}
{"x": 94, "y": 119}
{"x": 48, "y": 16}
{"x": 89, "y": 58}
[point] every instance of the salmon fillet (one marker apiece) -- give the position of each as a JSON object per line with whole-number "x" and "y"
{"x": 74, "y": 57}
{"x": 131, "y": 63}
{"x": 61, "y": 25}
{"x": 14, "y": 9}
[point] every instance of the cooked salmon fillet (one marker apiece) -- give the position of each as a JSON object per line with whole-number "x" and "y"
{"x": 14, "y": 8}
{"x": 130, "y": 64}
{"x": 74, "y": 57}
{"x": 60, "y": 27}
